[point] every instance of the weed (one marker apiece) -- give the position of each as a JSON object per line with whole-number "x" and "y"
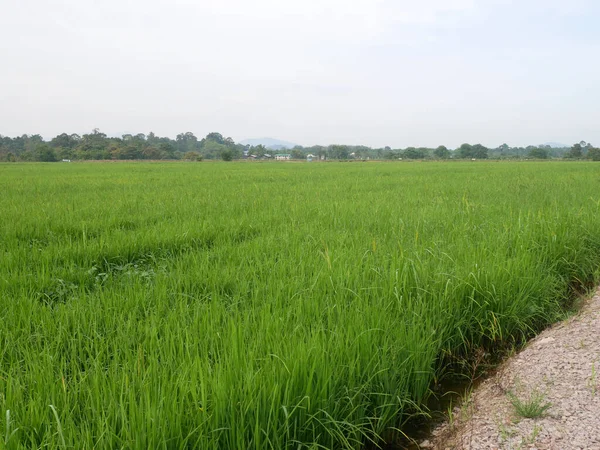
{"x": 592, "y": 381}
{"x": 506, "y": 433}
{"x": 533, "y": 436}
{"x": 533, "y": 407}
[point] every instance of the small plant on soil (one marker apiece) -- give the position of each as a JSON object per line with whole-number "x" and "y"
{"x": 506, "y": 433}
{"x": 529, "y": 440}
{"x": 533, "y": 407}
{"x": 592, "y": 381}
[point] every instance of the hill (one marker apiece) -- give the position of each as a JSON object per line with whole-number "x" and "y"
{"x": 270, "y": 143}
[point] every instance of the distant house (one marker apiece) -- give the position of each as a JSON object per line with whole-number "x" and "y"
{"x": 310, "y": 157}
{"x": 283, "y": 157}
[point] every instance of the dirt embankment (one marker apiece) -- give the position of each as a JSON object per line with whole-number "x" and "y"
{"x": 555, "y": 379}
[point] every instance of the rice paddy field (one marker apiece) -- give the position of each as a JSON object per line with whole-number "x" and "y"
{"x": 270, "y": 306}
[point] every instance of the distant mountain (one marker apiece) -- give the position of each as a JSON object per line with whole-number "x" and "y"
{"x": 556, "y": 145}
{"x": 270, "y": 143}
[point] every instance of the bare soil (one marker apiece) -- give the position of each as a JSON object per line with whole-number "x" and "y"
{"x": 560, "y": 367}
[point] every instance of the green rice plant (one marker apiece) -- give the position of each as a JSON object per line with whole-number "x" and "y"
{"x": 257, "y": 306}
{"x": 8, "y": 432}
{"x": 59, "y": 427}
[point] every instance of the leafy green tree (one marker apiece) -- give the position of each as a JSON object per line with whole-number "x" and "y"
{"x": 441, "y": 152}
{"x": 94, "y": 143}
{"x": 480, "y": 152}
{"x": 538, "y": 153}
{"x": 167, "y": 150}
{"x": 45, "y": 153}
{"x": 32, "y": 142}
{"x": 64, "y": 153}
{"x": 258, "y": 150}
{"x": 186, "y": 142}
{"x": 297, "y": 154}
{"x": 192, "y": 156}
{"x": 151, "y": 153}
{"x": 216, "y": 137}
{"x": 465, "y": 151}
{"x": 594, "y": 154}
{"x": 576, "y": 151}
{"x": 212, "y": 149}
{"x": 390, "y": 154}
{"x": 476, "y": 151}
{"x": 338, "y": 152}
{"x": 65, "y": 141}
{"x": 413, "y": 153}
{"x": 129, "y": 152}
{"x": 227, "y": 154}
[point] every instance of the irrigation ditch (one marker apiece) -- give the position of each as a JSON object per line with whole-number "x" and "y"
{"x": 445, "y": 417}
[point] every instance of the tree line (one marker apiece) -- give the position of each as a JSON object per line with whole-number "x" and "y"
{"x": 186, "y": 146}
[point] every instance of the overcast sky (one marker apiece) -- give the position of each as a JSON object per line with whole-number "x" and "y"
{"x": 372, "y": 72}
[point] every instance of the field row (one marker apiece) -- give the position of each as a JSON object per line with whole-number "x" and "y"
{"x": 224, "y": 306}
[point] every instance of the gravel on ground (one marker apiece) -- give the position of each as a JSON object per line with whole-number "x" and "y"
{"x": 560, "y": 370}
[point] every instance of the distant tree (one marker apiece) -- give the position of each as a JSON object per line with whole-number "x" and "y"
{"x": 192, "y": 156}
{"x": 186, "y": 142}
{"x": 151, "y": 153}
{"x": 338, "y": 151}
{"x": 594, "y": 154}
{"x": 465, "y": 151}
{"x": 152, "y": 139}
{"x": 441, "y": 152}
{"x": 227, "y": 154}
{"x": 297, "y": 154}
{"x": 167, "y": 150}
{"x": 65, "y": 141}
{"x": 64, "y": 153}
{"x": 390, "y": 154}
{"x": 94, "y": 143}
{"x": 576, "y": 151}
{"x": 476, "y": 151}
{"x": 45, "y": 153}
{"x": 320, "y": 151}
{"x": 413, "y": 153}
{"x": 538, "y": 153}
{"x": 258, "y": 150}
{"x": 480, "y": 152}
{"x": 216, "y": 137}
{"x": 212, "y": 149}
{"x": 129, "y": 152}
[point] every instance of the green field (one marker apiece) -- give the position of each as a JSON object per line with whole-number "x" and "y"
{"x": 269, "y": 306}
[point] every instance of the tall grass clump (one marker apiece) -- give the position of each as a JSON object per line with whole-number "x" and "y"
{"x": 270, "y": 306}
